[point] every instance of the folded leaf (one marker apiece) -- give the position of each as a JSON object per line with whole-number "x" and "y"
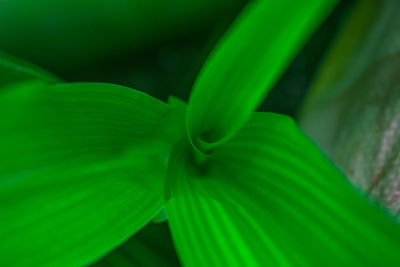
{"x": 79, "y": 171}
{"x": 245, "y": 65}
{"x": 15, "y": 70}
{"x": 269, "y": 196}
{"x": 151, "y": 246}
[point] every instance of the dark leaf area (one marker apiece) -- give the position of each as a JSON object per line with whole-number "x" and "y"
{"x": 290, "y": 90}
{"x": 151, "y": 246}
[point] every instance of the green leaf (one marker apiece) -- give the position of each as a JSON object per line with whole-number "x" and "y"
{"x": 246, "y": 64}
{"x": 15, "y": 70}
{"x": 151, "y": 246}
{"x": 269, "y": 196}
{"x": 172, "y": 126}
{"x": 80, "y": 170}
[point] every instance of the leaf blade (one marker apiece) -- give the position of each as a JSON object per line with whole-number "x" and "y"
{"x": 245, "y": 65}
{"x": 269, "y": 195}
{"x": 80, "y": 170}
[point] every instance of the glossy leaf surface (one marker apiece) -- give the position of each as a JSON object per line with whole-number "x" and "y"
{"x": 79, "y": 170}
{"x": 245, "y": 65}
{"x": 269, "y": 196}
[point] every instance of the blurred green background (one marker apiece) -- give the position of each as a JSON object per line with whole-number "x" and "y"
{"x": 156, "y": 46}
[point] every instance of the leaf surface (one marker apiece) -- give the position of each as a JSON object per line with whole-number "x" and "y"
{"x": 246, "y": 63}
{"x": 269, "y": 196}
{"x": 80, "y": 171}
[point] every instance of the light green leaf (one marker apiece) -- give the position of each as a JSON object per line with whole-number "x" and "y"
{"x": 80, "y": 171}
{"x": 151, "y": 246}
{"x": 15, "y": 70}
{"x": 269, "y": 196}
{"x": 246, "y": 64}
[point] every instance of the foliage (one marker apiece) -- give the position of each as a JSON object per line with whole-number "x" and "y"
{"x": 84, "y": 166}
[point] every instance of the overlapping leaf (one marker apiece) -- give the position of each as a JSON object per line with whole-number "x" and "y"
{"x": 269, "y": 196}
{"x": 82, "y": 166}
{"x": 246, "y": 64}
